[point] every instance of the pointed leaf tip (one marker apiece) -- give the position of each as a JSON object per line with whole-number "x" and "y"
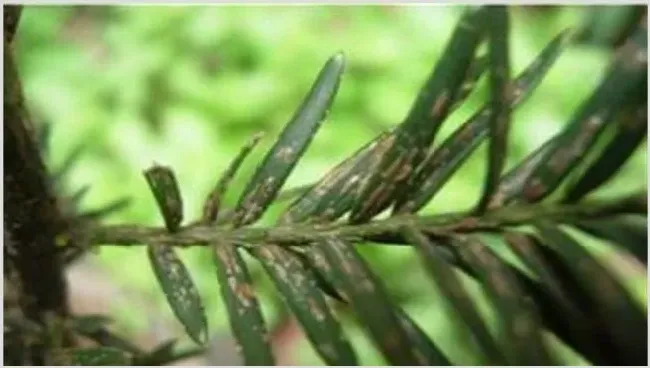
{"x": 626, "y": 72}
{"x": 339, "y": 58}
{"x": 425, "y": 117}
{"x": 441, "y": 163}
{"x": 212, "y": 204}
{"x": 291, "y": 145}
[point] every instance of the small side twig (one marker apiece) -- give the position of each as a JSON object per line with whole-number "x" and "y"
{"x": 213, "y": 203}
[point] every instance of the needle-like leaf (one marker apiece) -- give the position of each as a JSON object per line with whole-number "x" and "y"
{"x": 420, "y": 342}
{"x": 159, "y": 354}
{"x": 474, "y": 73}
{"x": 321, "y": 280}
{"x": 162, "y": 182}
{"x": 349, "y": 274}
{"x": 334, "y": 194}
{"x": 244, "y": 314}
{"x": 418, "y": 130}
{"x": 443, "y": 161}
{"x": 519, "y": 323}
{"x": 626, "y": 324}
{"x": 107, "y": 209}
{"x": 549, "y": 273}
{"x": 443, "y": 274}
{"x": 94, "y": 327}
{"x": 512, "y": 183}
{"x": 301, "y": 294}
{"x": 632, "y": 131}
{"x": 213, "y": 202}
{"x": 180, "y": 291}
{"x": 581, "y": 337}
{"x": 71, "y": 159}
{"x": 422, "y": 346}
{"x": 337, "y": 191}
{"x": 43, "y": 137}
{"x": 627, "y": 232}
{"x": 628, "y": 71}
{"x": 498, "y": 31}
{"x": 290, "y": 146}
{"x": 78, "y": 195}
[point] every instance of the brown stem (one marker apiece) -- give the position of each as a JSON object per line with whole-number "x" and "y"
{"x": 31, "y": 217}
{"x": 301, "y": 234}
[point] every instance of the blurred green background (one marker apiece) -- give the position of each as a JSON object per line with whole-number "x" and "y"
{"x": 186, "y": 86}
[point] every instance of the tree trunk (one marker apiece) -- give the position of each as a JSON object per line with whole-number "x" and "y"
{"x": 32, "y": 219}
